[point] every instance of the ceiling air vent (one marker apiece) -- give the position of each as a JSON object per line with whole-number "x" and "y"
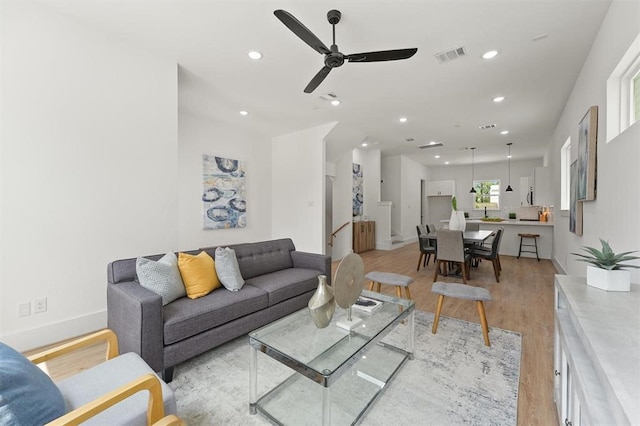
{"x": 487, "y": 126}
{"x": 430, "y": 145}
{"x": 409, "y": 140}
{"x": 449, "y": 55}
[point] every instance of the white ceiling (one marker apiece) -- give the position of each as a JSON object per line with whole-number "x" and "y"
{"x": 443, "y": 102}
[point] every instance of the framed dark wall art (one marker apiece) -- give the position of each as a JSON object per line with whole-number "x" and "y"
{"x": 575, "y": 206}
{"x": 587, "y": 153}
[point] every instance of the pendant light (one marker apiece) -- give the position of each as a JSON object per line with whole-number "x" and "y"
{"x": 473, "y": 190}
{"x": 509, "y": 189}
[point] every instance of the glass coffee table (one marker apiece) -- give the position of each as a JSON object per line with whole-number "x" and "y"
{"x": 337, "y": 373}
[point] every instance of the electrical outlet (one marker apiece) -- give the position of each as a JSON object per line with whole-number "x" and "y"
{"x": 40, "y": 305}
{"x": 24, "y": 309}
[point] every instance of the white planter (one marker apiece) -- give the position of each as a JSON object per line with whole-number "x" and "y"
{"x": 457, "y": 222}
{"x": 619, "y": 280}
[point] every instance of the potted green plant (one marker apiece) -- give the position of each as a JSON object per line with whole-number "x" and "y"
{"x": 606, "y": 270}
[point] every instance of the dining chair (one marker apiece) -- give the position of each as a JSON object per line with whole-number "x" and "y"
{"x": 472, "y": 227}
{"x": 426, "y": 249}
{"x": 492, "y": 254}
{"x": 451, "y": 250}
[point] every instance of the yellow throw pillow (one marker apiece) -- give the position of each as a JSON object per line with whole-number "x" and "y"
{"x": 198, "y": 274}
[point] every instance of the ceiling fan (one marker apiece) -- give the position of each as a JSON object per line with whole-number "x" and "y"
{"x": 332, "y": 57}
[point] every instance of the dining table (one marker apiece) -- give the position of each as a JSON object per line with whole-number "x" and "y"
{"x": 470, "y": 239}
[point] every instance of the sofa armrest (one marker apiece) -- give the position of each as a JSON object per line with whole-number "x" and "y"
{"x": 134, "y": 313}
{"x": 320, "y": 262}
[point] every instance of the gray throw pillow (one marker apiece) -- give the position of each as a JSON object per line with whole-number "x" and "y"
{"x": 228, "y": 269}
{"x": 161, "y": 277}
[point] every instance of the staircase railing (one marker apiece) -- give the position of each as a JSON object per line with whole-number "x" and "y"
{"x": 335, "y": 232}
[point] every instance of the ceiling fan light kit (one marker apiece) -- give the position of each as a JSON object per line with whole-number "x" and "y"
{"x": 333, "y": 58}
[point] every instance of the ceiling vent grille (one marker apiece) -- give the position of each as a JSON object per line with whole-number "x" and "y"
{"x": 487, "y": 126}
{"x": 430, "y": 145}
{"x": 451, "y": 54}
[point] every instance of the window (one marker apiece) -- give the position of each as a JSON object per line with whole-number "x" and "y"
{"x": 565, "y": 175}
{"x": 623, "y": 92}
{"x": 487, "y": 194}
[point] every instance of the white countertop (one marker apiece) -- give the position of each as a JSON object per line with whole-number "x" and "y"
{"x": 510, "y": 222}
{"x": 608, "y": 324}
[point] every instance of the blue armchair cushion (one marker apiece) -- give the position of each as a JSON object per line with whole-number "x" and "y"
{"x": 27, "y": 395}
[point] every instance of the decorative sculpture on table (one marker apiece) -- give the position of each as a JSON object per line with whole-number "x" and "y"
{"x": 347, "y": 285}
{"x": 322, "y": 304}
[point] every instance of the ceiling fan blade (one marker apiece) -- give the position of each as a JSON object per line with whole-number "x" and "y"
{"x": 315, "y": 81}
{"x": 301, "y": 31}
{"x": 383, "y": 55}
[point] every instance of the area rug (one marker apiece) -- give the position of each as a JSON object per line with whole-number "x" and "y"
{"x": 453, "y": 379}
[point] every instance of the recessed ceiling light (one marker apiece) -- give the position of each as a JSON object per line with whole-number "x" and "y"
{"x": 446, "y": 162}
{"x": 365, "y": 144}
{"x": 504, "y": 132}
{"x": 402, "y": 119}
{"x": 336, "y": 102}
{"x": 244, "y": 113}
{"x": 433, "y": 143}
{"x": 437, "y": 156}
{"x": 254, "y": 54}
{"x": 498, "y": 99}
{"x": 490, "y": 54}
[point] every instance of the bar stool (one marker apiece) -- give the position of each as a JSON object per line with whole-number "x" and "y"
{"x": 534, "y": 237}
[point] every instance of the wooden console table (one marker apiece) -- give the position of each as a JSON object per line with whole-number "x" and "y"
{"x": 364, "y": 236}
{"x": 596, "y": 354}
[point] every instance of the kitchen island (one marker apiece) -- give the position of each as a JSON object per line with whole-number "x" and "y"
{"x": 511, "y": 242}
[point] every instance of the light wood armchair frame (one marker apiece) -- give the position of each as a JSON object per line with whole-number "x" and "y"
{"x": 147, "y": 382}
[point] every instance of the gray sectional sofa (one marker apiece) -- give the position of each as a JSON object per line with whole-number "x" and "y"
{"x": 279, "y": 280}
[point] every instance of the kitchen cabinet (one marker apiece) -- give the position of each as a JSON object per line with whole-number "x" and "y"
{"x": 364, "y": 236}
{"x": 541, "y": 183}
{"x": 438, "y": 188}
{"x": 595, "y": 354}
{"x": 535, "y": 190}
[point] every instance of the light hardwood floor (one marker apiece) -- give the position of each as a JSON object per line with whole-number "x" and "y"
{"x": 522, "y": 301}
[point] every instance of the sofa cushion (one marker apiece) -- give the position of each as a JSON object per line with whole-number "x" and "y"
{"x": 161, "y": 277}
{"x": 285, "y": 284}
{"x": 228, "y": 270}
{"x": 27, "y": 395}
{"x": 97, "y": 381}
{"x": 198, "y": 273}
{"x": 185, "y": 317}
{"x": 264, "y": 257}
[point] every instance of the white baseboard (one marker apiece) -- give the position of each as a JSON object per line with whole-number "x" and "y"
{"x": 558, "y": 266}
{"x": 26, "y": 340}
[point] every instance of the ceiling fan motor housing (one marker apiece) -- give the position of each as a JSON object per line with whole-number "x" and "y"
{"x": 335, "y": 58}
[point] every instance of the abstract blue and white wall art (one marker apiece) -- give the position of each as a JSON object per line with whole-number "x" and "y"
{"x": 358, "y": 195}
{"x": 224, "y": 193}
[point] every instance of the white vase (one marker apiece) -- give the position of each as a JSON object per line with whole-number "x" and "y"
{"x": 604, "y": 279}
{"x": 457, "y": 222}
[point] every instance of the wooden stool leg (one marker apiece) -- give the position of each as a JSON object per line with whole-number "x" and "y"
{"x": 399, "y": 296}
{"x": 378, "y": 287}
{"x": 406, "y": 290}
{"x": 437, "y": 317}
{"x": 419, "y": 260}
{"x": 483, "y": 321}
{"x": 370, "y": 285}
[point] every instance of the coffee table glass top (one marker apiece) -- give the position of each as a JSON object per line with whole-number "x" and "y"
{"x": 319, "y": 353}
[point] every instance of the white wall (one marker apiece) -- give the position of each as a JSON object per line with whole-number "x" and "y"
{"x": 613, "y": 216}
{"x": 298, "y": 179}
{"x": 412, "y": 174}
{"x": 343, "y": 207}
{"x": 391, "y": 177}
{"x": 89, "y": 173}
{"x": 401, "y": 185}
{"x": 203, "y": 135}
